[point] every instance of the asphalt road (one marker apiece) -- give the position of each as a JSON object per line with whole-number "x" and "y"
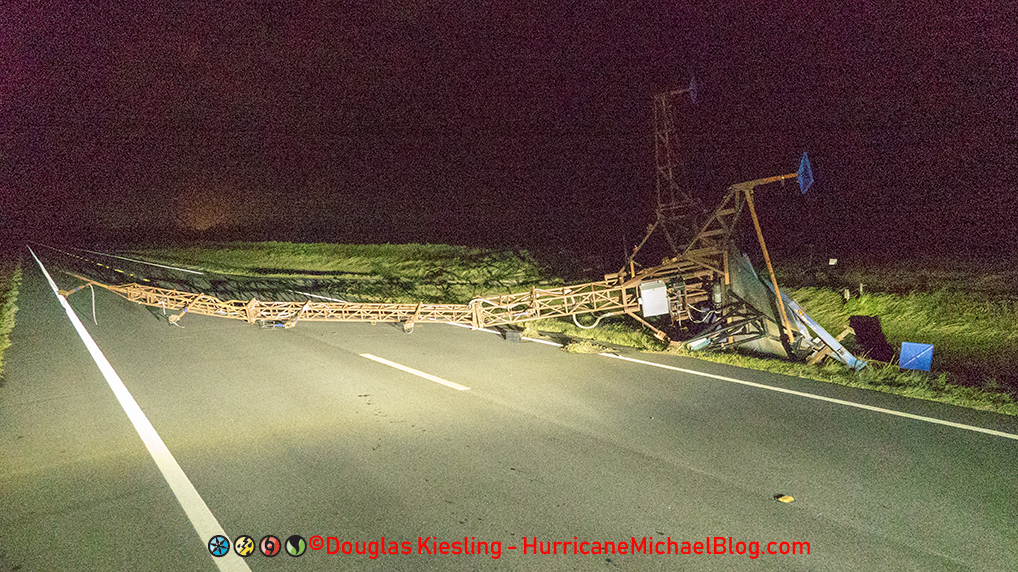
{"x": 294, "y": 432}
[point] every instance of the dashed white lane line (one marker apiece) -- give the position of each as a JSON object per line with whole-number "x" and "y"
{"x": 820, "y": 398}
{"x": 204, "y": 522}
{"x": 418, "y": 373}
{"x": 317, "y": 296}
{"x": 141, "y": 261}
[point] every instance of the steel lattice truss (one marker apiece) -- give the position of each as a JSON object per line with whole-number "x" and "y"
{"x": 614, "y": 295}
{"x": 591, "y": 298}
{"x": 678, "y": 213}
{"x": 605, "y": 297}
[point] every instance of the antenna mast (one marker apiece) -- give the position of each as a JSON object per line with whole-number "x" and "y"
{"x": 678, "y": 214}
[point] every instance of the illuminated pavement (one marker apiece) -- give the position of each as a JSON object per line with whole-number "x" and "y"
{"x": 294, "y": 432}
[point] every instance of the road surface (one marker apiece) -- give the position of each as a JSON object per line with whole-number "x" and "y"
{"x": 303, "y": 432}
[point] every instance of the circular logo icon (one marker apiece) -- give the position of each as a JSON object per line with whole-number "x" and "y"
{"x": 295, "y": 545}
{"x": 219, "y": 545}
{"x": 269, "y": 546}
{"x": 244, "y": 546}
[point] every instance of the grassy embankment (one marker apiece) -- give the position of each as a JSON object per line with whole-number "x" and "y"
{"x": 973, "y": 326}
{"x": 10, "y": 281}
{"x": 390, "y": 272}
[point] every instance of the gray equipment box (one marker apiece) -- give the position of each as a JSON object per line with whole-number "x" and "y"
{"x": 653, "y": 298}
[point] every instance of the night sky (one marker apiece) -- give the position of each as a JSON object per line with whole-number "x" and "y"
{"x": 506, "y": 124}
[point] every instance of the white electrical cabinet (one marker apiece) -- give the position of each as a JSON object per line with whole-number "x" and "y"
{"x": 653, "y": 298}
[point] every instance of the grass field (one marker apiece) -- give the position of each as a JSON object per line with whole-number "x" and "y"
{"x": 974, "y": 331}
{"x": 974, "y": 339}
{"x": 399, "y": 272}
{"x": 10, "y": 281}
{"x": 983, "y": 281}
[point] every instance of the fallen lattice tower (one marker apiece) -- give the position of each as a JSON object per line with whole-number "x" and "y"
{"x": 710, "y": 283}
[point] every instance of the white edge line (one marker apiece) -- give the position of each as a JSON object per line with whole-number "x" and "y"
{"x": 546, "y": 342}
{"x": 138, "y": 261}
{"x": 121, "y": 258}
{"x": 821, "y": 398}
{"x": 418, "y": 373}
{"x": 204, "y": 522}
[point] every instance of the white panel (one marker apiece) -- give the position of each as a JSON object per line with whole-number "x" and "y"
{"x": 653, "y": 298}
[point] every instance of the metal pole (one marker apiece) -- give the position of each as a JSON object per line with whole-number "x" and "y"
{"x": 767, "y": 258}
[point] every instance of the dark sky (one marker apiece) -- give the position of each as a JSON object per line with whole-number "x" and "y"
{"x": 505, "y": 124}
